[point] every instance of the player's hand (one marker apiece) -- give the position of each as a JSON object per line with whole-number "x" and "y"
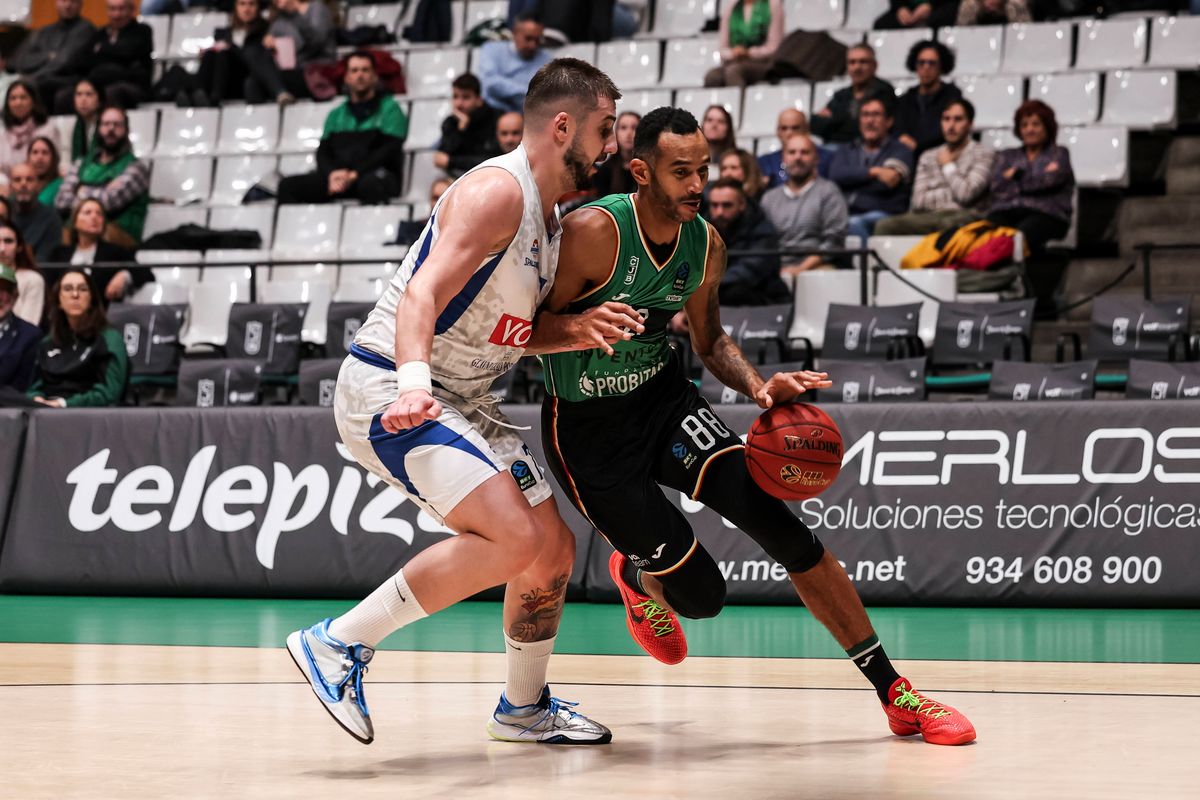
{"x": 608, "y": 323}
{"x": 410, "y": 410}
{"x": 785, "y": 386}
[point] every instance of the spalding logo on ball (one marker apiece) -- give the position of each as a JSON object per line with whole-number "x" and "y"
{"x": 794, "y": 451}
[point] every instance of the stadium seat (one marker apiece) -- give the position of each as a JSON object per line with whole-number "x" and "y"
{"x": 687, "y": 60}
{"x": 430, "y": 72}
{"x": 248, "y": 129}
{"x": 143, "y": 127}
{"x": 367, "y": 229}
{"x": 161, "y": 218}
{"x": 312, "y": 232}
{"x": 160, "y": 33}
{"x": 633, "y": 64}
{"x": 976, "y": 48}
{"x": 181, "y": 180}
{"x": 891, "y": 249}
{"x": 425, "y": 123}
{"x": 385, "y": 14}
{"x": 354, "y": 288}
{"x": 173, "y": 267}
{"x": 814, "y": 15}
{"x": 302, "y": 126}
{"x": 187, "y": 132}
{"x": 236, "y": 174}
{"x": 297, "y": 163}
{"x": 681, "y": 17}
{"x": 160, "y": 293}
{"x": 178, "y": 275}
{"x": 761, "y": 105}
{"x": 420, "y": 173}
{"x": 1140, "y": 99}
{"x": 891, "y": 49}
{"x": 996, "y": 97}
{"x": 1030, "y": 48}
{"x": 208, "y": 314}
{"x": 941, "y": 283}
{"x": 1099, "y": 154}
{"x": 233, "y": 277}
{"x": 696, "y": 100}
{"x": 480, "y": 11}
{"x": 1112, "y": 43}
{"x": 862, "y": 14}
{"x": 813, "y": 292}
{"x": 1074, "y": 96}
{"x": 644, "y": 100}
{"x": 848, "y": 37}
{"x": 316, "y": 293}
{"x": 1173, "y": 42}
{"x": 999, "y": 138}
{"x": 193, "y": 33}
{"x": 258, "y": 217}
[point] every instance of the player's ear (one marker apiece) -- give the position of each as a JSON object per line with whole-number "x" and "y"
{"x": 640, "y": 169}
{"x": 563, "y": 123}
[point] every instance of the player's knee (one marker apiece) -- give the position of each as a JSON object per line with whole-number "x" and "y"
{"x": 800, "y": 553}
{"x": 699, "y": 601}
{"x": 557, "y": 543}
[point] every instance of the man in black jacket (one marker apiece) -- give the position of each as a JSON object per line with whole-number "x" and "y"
{"x": 469, "y": 133}
{"x": 750, "y": 280}
{"x": 118, "y": 60}
{"x": 52, "y": 57}
{"x": 18, "y": 342}
{"x": 838, "y": 122}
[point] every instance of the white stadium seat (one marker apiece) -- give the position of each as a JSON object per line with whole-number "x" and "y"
{"x": 236, "y": 175}
{"x": 385, "y": 14}
{"x": 892, "y": 248}
{"x": 430, "y": 72}
{"x": 687, "y": 60}
{"x": 159, "y": 293}
{"x": 644, "y": 100}
{"x": 143, "y": 127}
{"x": 235, "y": 279}
{"x": 367, "y": 229}
{"x": 681, "y": 17}
{"x": 160, "y": 33}
{"x": 999, "y": 138}
{"x": 172, "y": 267}
{"x": 421, "y": 173}
{"x": 977, "y": 48}
{"x": 1140, "y": 99}
{"x": 823, "y": 92}
{"x": 632, "y": 64}
{"x": 317, "y": 293}
{"x": 1074, "y": 96}
{"x": 1112, "y": 43}
{"x": 1175, "y": 42}
{"x": 313, "y": 232}
{"x": 813, "y": 292}
{"x": 995, "y": 98}
{"x": 425, "y": 123}
{"x": 258, "y": 217}
{"x": 161, "y": 218}
{"x": 297, "y": 163}
{"x": 302, "y": 126}
{"x": 187, "y": 132}
{"x": 248, "y": 129}
{"x": 891, "y": 49}
{"x": 1030, "y": 48}
{"x": 697, "y": 100}
{"x": 480, "y": 11}
{"x": 762, "y": 104}
{"x": 1099, "y": 154}
{"x": 181, "y": 180}
{"x": 208, "y": 313}
{"x": 814, "y": 15}
{"x": 848, "y": 37}
{"x": 193, "y": 33}
{"x": 941, "y": 283}
{"x": 584, "y": 51}
{"x": 863, "y": 13}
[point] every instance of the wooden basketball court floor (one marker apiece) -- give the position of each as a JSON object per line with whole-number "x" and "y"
{"x": 157, "y": 698}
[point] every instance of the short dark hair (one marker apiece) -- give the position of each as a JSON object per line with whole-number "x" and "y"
{"x": 889, "y": 105}
{"x": 728, "y": 183}
{"x": 467, "y": 83}
{"x": 570, "y": 82}
{"x": 527, "y": 16}
{"x": 945, "y": 56}
{"x": 1036, "y": 108}
{"x": 362, "y": 54}
{"x": 967, "y": 106}
{"x": 664, "y": 119}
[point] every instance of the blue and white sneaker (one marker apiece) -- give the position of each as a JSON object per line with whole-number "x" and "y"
{"x": 548, "y": 721}
{"x": 335, "y": 670}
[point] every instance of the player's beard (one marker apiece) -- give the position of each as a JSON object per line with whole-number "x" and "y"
{"x": 669, "y": 206}
{"x": 578, "y": 165}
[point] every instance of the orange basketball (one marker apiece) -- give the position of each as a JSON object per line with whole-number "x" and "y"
{"x": 794, "y": 451}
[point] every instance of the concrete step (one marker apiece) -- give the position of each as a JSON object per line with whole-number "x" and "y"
{"x": 1170, "y": 274}
{"x": 1183, "y": 165}
{"x": 1174, "y": 219}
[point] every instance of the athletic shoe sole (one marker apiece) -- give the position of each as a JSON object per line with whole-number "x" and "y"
{"x": 559, "y": 738}
{"x": 295, "y": 648}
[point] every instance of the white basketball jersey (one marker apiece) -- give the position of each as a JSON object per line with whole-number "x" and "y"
{"x": 484, "y": 330}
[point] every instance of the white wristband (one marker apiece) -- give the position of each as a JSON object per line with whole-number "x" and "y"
{"x": 413, "y": 375}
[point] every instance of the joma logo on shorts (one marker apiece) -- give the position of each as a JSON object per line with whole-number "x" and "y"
{"x": 511, "y": 331}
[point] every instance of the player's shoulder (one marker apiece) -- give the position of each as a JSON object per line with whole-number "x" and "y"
{"x": 589, "y": 226}
{"x": 488, "y": 197}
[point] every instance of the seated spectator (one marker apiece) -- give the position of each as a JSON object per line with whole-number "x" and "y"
{"x": 18, "y": 338}
{"x": 1033, "y": 185}
{"x": 47, "y": 168}
{"x": 362, "y": 146}
{"x": 613, "y": 176}
{"x": 52, "y": 57}
{"x": 40, "y": 225}
{"x": 807, "y": 210}
{"x": 717, "y": 126}
{"x": 837, "y": 123}
{"x": 993, "y": 12}
{"x": 789, "y": 123}
{"x": 919, "y": 110}
{"x": 31, "y": 286}
{"x": 312, "y": 29}
{"x": 24, "y": 120}
{"x": 82, "y": 363}
{"x": 112, "y": 174}
{"x": 469, "y": 133}
{"x": 874, "y": 172}
{"x": 749, "y": 280}
{"x": 226, "y": 67}
{"x": 505, "y": 68}
{"x": 751, "y": 31}
{"x": 510, "y": 130}
{"x": 740, "y": 165}
{"x": 951, "y": 188}
{"x": 917, "y": 14}
{"x": 119, "y": 60}
{"x": 87, "y": 247}
{"x": 577, "y": 20}
{"x": 86, "y": 103}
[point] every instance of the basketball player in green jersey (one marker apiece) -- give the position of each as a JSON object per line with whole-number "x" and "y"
{"x": 619, "y": 425}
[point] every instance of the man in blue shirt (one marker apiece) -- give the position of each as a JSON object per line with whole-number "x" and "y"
{"x": 875, "y": 173}
{"x": 790, "y": 123}
{"x": 18, "y": 339}
{"x": 505, "y": 68}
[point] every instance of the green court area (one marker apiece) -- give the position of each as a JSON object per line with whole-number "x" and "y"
{"x": 971, "y": 634}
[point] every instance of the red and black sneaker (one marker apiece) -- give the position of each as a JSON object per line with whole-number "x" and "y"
{"x": 654, "y": 628}
{"x": 908, "y": 712}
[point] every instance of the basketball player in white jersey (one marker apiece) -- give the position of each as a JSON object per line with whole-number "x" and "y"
{"x": 413, "y": 406}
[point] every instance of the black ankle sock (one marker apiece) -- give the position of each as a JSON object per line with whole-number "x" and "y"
{"x": 632, "y": 576}
{"x": 870, "y": 659}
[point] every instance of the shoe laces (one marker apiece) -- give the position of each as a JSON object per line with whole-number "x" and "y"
{"x": 915, "y": 701}
{"x": 550, "y": 712}
{"x": 355, "y": 669}
{"x": 658, "y": 617}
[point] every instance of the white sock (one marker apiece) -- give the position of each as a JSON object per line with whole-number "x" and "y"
{"x": 527, "y": 662}
{"x": 383, "y": 612}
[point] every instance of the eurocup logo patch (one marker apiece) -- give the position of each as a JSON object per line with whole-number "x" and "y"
{"x": 523, "y": 475}
{"x": 681, "y": 276}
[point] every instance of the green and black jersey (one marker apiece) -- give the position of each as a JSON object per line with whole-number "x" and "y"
{"x": 656, "y": 290}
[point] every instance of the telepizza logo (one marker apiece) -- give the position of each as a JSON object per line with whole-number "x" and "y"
{"x": 511, "y": 331}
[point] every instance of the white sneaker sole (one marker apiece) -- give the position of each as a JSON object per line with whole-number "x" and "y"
{"x": 295, "y": 649}
{"x": 511, "y": 733}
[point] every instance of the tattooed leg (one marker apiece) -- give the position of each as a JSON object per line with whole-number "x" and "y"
{"x": 533, "y": 601}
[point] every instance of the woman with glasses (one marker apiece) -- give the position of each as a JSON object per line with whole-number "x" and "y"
{"x": 15, "y": 253}
{"x": 87, "y": 248}
{"x": 82, "y": 362}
